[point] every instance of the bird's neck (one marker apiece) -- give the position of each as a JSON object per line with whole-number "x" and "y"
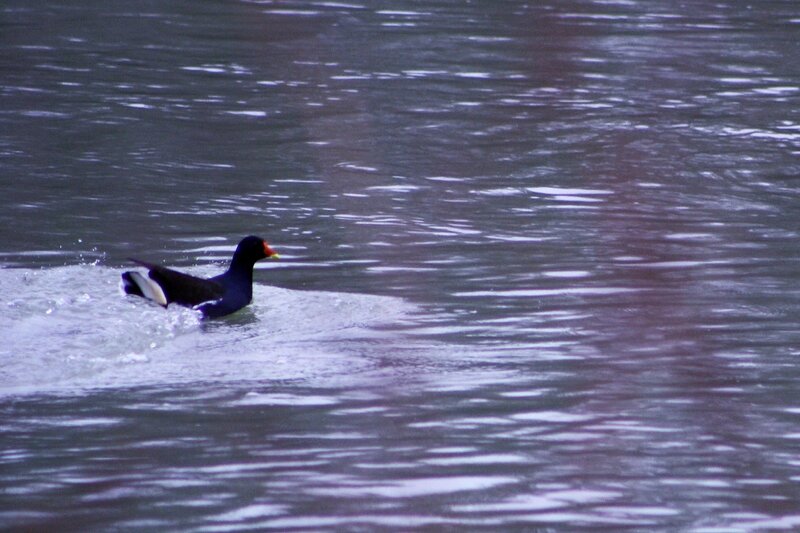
{"x": 241, "y": 270}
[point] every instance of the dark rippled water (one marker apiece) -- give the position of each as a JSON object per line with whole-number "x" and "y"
{"x": 540, "y": 265}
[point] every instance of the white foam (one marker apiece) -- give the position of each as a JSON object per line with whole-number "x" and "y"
{"x": 72, "y": 328}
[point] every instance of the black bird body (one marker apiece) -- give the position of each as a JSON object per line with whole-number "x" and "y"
{"x": 214, "y": 297}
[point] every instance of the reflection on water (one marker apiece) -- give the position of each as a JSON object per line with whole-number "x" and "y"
{"x": 539, "y": 265}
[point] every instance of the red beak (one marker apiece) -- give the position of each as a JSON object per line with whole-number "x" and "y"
{"x": 269, "y": 252}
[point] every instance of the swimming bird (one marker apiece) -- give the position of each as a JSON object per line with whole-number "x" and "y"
{"x": 214, "y": 297}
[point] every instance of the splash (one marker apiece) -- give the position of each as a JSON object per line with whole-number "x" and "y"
{"x": 72, "y": 327}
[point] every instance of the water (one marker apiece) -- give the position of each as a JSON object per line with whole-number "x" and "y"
{"x": 539, "y": 265}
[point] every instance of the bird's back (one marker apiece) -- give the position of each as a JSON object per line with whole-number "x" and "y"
{"x": 183, "y": 289}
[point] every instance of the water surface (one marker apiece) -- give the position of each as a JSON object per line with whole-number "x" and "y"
{"x": 539, "y": 265}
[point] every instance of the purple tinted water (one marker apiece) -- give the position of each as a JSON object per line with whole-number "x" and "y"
{"x": 539, "y": 265}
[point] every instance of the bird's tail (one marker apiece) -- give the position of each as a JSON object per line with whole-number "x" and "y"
{"x": 134, "y": 283}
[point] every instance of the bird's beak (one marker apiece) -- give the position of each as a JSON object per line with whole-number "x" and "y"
{"x": 270, "y": 253}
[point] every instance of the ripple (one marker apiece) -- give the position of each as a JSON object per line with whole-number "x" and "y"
{"x": 250, "y": 512}
{"x": 255, "y": 398}
{"x": 485, "y": 459}
{"x": 566, "y": 274}
{"x": 414, "y": 488}
{"x": 543, "y": 501}
{"x": 565, "y": 291}
{"x": 552, "y": 416}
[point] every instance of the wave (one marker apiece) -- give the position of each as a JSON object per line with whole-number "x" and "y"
{"x": 72, "y": 328}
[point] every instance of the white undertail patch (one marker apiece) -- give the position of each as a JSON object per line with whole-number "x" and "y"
{"x": 150, "y": 289}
